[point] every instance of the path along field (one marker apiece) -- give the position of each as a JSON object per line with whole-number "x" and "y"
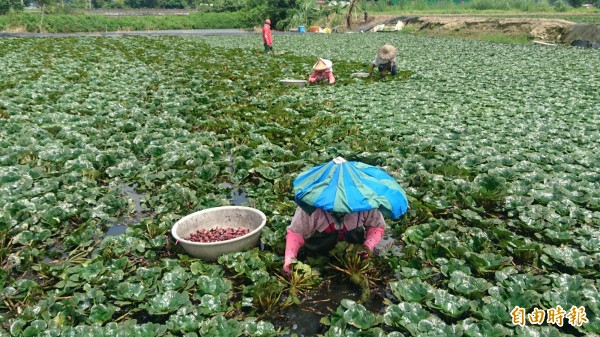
{"x": 496, "y": 146}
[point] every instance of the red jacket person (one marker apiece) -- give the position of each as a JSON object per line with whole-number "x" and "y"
{"x": 267, "y": 36}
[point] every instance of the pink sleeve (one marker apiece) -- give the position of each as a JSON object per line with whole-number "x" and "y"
{"x": 302, "y": 223}
{"x": 374, "y": 235}
{"x": 293, "y": 243}
{"x": 330, "y": 76}
{"x": 312, "y": 78}
{"x": 374, "y": 227}
{"x": 374, "y": 218}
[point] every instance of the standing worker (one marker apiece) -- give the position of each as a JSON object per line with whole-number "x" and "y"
{"x": 267, "y": 37}
{"x": 385, "y": 60}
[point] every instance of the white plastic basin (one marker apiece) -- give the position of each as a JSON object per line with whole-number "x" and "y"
{"x": 223, "y": 217}
{"x": 298, "y": 83}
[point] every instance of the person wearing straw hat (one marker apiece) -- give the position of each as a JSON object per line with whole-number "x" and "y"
{"x": 341, "y": 200}
{"x": 323, "y": 69}
{"x": 267, "y": 36}
{"x": 385, "y": 60}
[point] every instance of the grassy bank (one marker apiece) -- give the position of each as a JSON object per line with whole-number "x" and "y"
{"x": 507, "y": 8}
{"x": 478, "y": 36}
{"x": 476, "y": 7}
{"x": 70, "y": 23}
{"x": 578, "y": 17}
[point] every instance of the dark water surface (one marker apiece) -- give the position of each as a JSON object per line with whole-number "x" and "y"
{"x": 304, "y": 319}
{"x": 120, "y": 227}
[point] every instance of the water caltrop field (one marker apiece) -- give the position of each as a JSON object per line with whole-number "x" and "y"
{"x": 105, "y": 142}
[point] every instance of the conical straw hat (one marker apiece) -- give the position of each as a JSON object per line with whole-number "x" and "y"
{"x": 387, "y": 52}
{"x": 320, "y": 65}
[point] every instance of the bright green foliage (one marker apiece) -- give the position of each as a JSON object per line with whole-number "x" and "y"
{"x": 501, "y": 168}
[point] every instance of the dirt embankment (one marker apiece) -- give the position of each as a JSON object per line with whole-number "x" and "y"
{"x": 546, "y": 30}
{"x": 549, "y": 30}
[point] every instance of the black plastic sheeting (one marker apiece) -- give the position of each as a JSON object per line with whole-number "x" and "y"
{"x": 586, "y": 44}
{"x": 582, "y": 35}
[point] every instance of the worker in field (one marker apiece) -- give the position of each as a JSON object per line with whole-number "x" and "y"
{"x": 385, "y": 60}
{"x": 267, "y": 36}
{"x": 320, "y": 231}
{"x": 332, "y": 209}
{"x": 322, "y": 70}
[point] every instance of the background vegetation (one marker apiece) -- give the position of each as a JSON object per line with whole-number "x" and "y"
{"x": 68, "y": 23}
{"x": 71, "y": 15}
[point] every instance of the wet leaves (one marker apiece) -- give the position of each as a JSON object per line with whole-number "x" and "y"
{"x": 501, "y": 169}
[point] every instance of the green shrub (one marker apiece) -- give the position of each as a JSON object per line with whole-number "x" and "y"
{"x": 72, "y": 23}
{"x": 7, "y": 5}
{"x": 507, "y": 5}
{"x": 560, "y": 6}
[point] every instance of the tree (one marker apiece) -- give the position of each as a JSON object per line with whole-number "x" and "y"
{"x": 7, "y": 5}
{"x": 352, "y": 6}
{"x": 275, "y": 10}
{"x": 220, "y": 5}
{"x": 349, "y": 17}
{"x": 306, "y": 11}
{"x": 171, "y": 3}
{"x": 4, "y": 6}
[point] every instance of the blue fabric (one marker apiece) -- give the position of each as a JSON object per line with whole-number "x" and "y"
{"x": 385, "y": 66}
{"x": 349, "y": 187}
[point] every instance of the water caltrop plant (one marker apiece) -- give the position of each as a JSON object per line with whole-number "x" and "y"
{"x": 107, "y": 142}
{"x": 301, "y": 280}
{"x": 352, "y": 260}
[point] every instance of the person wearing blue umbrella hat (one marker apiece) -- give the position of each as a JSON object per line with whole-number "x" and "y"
{"x": 341, "y": 200}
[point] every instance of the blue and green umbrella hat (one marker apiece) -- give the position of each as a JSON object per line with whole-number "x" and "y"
{"x": 347, "y": 187}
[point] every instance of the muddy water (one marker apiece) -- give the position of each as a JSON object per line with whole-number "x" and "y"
{"x": 121, "y": 227}
{"x": 304, "y": 319}
{"x": 115, "y": 230}
{"x": 238, "y": 195}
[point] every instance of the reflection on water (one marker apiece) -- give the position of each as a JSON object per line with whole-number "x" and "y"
{"x": 115, "y": 230}
{"x": 56, "y": 252}
{"x": 238, "y": 195}
{"x": 238, "y": 198}
{"x": 129, "y": 190}
{"x": 121, "y": 226}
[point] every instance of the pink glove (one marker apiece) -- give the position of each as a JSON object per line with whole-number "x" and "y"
{"x": 330, "y": 77}
{"x": 312, "y": 78}
{"x": 293, "y": 242}
{"x": 374, "y": 235}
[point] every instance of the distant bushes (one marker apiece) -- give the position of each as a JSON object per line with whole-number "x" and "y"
{"x": 469, "y": 6}
{"x": 72, "y": 23}
{"x": 510, "y": 5}
{"x": 7, "y": 5}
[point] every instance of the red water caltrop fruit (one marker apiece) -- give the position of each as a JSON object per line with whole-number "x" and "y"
{"x": 217, "y": 234}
